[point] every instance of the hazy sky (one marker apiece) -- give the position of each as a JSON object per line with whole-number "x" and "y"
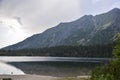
{"x": 22, "y": 18}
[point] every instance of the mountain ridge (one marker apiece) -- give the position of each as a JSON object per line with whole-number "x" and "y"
{"x": 87, "y": 30}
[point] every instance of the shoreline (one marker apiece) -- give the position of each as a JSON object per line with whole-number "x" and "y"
{"x": 27, "y": 77}
{"x": 36, "y": 77}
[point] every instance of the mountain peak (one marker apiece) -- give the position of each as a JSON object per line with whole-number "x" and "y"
{"x": 115, "y": 10}
{"x": 87, "y": 16}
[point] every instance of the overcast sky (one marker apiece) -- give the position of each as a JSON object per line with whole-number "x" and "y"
{"x": 22, "y": 18}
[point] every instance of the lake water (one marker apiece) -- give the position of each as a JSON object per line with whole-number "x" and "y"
{"x": 41, "y": 65}
{"x": 6, "y": 69}
{"x": 51, "y": 59}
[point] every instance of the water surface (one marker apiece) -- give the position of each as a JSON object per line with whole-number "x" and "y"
{"x": 50, "y": 66}
{"x": 6, "y": 69}
{"x": 51, "y": 59}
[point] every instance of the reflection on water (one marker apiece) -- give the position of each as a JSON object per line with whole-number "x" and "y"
{"x": 51, "y": 59}
{"x": 49, "y": 65}
{"x": 6, "y": 69}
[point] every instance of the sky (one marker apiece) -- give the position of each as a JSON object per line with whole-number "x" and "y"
{"x": 20, "y": 19}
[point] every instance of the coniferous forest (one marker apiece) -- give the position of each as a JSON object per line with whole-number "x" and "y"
{"x": 64, "y": 51}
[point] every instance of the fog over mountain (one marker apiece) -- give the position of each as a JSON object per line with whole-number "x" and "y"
{"x": 87, "y": 30}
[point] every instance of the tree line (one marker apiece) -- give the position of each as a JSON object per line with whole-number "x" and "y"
{"x": 64, "y": 51}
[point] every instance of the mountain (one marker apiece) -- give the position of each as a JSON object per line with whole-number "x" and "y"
{"x": 88, "y": 30}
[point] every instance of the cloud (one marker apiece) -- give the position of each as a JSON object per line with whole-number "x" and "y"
{"x": 95, "y": 1}
{"x": 37, "y": 15}
{"x": 10, "y": 31}
{"x": 116, "y": 4}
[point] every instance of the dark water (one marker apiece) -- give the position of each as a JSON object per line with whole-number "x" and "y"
{"x": 55, "y": 66}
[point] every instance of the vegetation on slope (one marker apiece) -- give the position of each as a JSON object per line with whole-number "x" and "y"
{"x": 64, "y": 51}
{"x": 112, "y": 70}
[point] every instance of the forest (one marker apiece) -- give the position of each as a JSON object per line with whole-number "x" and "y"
{"x": 64, "y": 51}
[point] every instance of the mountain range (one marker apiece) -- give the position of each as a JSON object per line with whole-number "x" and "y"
{"x": 87, "y": 30}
